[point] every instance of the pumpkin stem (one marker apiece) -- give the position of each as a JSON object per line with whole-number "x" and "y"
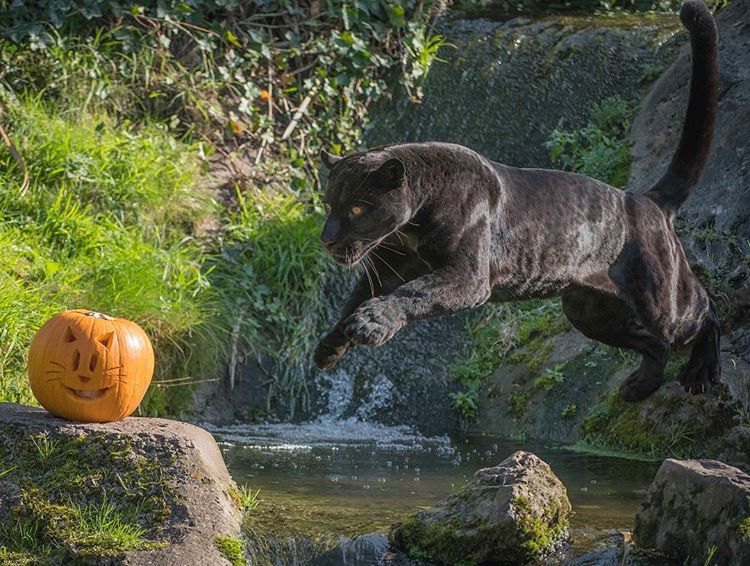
{"x": 99, "y": 315}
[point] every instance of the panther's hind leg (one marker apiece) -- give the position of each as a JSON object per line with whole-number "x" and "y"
{"x": 610, "y": 320}
{"x": 702, "y": 370}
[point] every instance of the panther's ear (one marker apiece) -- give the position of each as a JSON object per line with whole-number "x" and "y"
{"x": 390, "y": 175}
{"x": 329, "y": 159}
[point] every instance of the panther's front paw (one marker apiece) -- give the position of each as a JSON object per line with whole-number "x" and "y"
{"x": 330, "y": 349}
{"x": 373, "y": 323}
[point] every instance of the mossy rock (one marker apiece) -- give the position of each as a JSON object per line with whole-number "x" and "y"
{"x": 136, "y": 491}
{"x": 514, "y": 513}
{"x": 697, "y": 512}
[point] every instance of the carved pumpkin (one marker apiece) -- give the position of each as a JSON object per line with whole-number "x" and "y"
{"x": 86, "y": 366}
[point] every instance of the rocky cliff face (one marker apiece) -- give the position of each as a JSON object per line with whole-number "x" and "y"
{"x": 713, "y": 226}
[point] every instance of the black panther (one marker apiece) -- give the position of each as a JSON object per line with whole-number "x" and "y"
{"x": 439, "y": 228}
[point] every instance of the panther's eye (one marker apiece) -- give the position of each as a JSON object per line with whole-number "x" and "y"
{"x": 328, "y": 208}
{"x": 357, "y": 210}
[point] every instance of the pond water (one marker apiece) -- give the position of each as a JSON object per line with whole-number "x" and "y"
{"x": 352, "y": 477}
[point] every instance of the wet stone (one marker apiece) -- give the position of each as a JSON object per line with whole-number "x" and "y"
{"x": 695, "y": 509}
{"x": 513, "y": 513}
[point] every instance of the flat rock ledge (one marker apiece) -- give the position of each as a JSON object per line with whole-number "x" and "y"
{"x": 514, "y": 513}
{"x": 696, "y": 509}
{"x": 170, "y": 473}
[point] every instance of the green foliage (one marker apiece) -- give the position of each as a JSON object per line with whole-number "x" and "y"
{"x": 570, "y": 411}
{"x": 232, "y": 549}
{"x": 600, "y": 149}
{"x": 495, "y": 335}
{"x": 466, "y": 403}
{"x": 79, "y": 497}
{"x": 216, "y": 66}
{"x": 550, "y": 378}
{"x": 709, "y": 561}
{"x": 618, "y": 425}
{"x": 245, "y": 498}
{"x": 268, "y": 275}
{"x": 518, "y": 402}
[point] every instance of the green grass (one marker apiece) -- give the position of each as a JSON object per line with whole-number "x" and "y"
{"x": 105, "y": 226}
{"x": 618, "y": 425}
{"x": 110, "y": 224}
{"x": 245, "y": 498}
{"x": 268, "y": 275}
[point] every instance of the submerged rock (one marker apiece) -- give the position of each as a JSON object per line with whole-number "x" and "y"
{"x": 696, "y": 509}
{"x": 365, "y": 550}
{"x": 139, "y": 491}
{"x": 513, "y": 513}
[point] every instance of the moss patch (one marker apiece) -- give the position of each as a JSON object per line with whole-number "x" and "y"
{"x": 232, "y": 549}
{"x": 539, "y": 535}
{"x": 662, "y": 426}
{"x": 73, "y": 498}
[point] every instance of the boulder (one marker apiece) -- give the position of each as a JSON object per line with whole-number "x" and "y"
{"x": 159, "y": 487}
{"x": 513, "y": 513}
{"x": 695, "y": 509}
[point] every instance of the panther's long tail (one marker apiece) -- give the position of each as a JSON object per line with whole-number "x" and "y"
{"x": 689, "y": 159}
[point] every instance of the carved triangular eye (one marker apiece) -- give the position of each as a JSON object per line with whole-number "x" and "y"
{"x": 106, "y": 339}
{"x": 69, "y": 336}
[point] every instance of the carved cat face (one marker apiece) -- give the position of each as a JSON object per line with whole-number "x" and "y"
{"x": 367, "y": 199}
{"x": 86, "y": 366}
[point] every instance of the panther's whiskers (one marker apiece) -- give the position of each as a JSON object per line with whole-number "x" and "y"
{"x": 375, "y": 270}
{"x": 388, "y": 265}
{"x": 369, "y": 279}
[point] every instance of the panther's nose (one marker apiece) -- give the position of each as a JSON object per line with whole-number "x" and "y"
{"x": 328, "y": 242}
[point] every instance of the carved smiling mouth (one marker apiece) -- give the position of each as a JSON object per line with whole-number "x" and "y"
{"x": 88, "y": 393}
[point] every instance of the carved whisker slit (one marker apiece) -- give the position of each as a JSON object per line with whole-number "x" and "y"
{"x": 57, "y": 364}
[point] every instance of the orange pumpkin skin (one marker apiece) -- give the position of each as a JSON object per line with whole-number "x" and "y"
{"x": 84, "y": 366}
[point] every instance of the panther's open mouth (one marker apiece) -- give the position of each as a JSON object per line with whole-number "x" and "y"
{"x": 88, "y": 393}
